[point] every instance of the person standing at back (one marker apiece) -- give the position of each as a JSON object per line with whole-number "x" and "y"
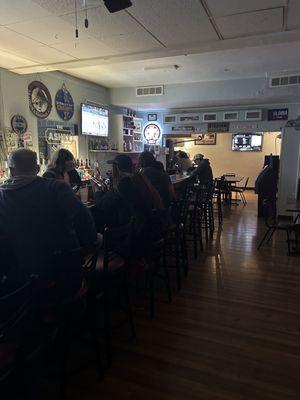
{"x": 40, "y": 218}
{"x": 158, "y": 178}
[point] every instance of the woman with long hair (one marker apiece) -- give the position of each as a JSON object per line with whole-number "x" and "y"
{"x": 62, "y": 166}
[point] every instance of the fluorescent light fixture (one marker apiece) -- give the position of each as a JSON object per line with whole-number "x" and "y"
{"x": 162, "y": 67}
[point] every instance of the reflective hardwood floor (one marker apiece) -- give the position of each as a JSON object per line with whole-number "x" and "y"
{"x": 232, "y": 332}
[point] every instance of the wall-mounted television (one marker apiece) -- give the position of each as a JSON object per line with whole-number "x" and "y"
{"x": 94, "y": 120}
{"x": 247, "y": 142}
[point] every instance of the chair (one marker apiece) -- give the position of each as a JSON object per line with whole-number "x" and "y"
{"x": 67, "y": 313}
{"x": 273, "y": 224}
{"x": 217, "y": 196}
{"x": 109, "y": 270}
{"x": 241, "y": 191}
{"x": 19, "y": 337}
{"x": 176, "y": 243}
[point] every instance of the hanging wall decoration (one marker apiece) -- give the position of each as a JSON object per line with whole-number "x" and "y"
{"x": 40, "y": 102}
{"x": 18, "y": 124}
{"x": 64, "y": 104}
{"x": 152, "y": 133}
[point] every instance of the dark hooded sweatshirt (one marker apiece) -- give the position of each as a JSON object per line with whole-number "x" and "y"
{"x": 203, "y": 172}
{"x": 38, "y": 218}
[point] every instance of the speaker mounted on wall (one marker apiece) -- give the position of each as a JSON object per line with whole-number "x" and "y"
{"x": 117, "y": 5}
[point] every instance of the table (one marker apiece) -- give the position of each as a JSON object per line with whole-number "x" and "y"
{"x": 232, "y": 179}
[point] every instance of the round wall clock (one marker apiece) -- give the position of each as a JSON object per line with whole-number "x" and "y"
{"x": 19, "y": 124}
{"x": 40, "y": 102}
{"x": 152, "y": 133}
{"x": 64, "y": 104}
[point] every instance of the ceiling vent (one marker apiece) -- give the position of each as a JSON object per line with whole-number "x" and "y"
{"x": 150, "y": 91}
{"x": 283, "y": 81}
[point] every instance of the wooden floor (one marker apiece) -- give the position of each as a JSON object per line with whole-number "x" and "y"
{"x": 232, "y": 332}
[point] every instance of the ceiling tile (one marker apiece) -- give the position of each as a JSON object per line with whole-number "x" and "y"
{"x": 59, "y": 7}
{"x": 86, "y": 48}
{"x": 248, "y": 24}
{"x": 228, "y": 7}
{"x": 293, "y": 14}
{"x": 44, "y": 54}
{"x": 11, "y": 40}
{"x": 174, "y": 22}
{"x": 8, "y": 60}
{"x": 133, "y": 43}
{"x": 13, "y": 11}
{"x": 48, "y": 30}
{"x": 103, "y": 24}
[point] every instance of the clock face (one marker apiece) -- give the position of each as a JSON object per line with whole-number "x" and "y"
{"x": 40, "y": 102}
{"x": 152, "y": 133}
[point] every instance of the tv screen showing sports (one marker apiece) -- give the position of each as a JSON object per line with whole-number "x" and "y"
{"x": 94, "y": 120}
{"x": 247, "y": 142}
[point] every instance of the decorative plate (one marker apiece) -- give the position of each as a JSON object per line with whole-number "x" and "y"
{"x": 40, "y": 102}
{"x": 18, "y": 124}
{"x": 64, "y": 104}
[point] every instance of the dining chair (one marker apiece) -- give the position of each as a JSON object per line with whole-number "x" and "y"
{"x": 19, "y": 338}
{"x": 241, "y": 190}
{"x": 272, "y": 224}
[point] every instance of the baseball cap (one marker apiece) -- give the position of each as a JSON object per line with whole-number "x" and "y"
{"x": 198, "y": 156}
{"x": 123, "y": 162}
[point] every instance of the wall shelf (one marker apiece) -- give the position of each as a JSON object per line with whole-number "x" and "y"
{"x": 104, "y": 151}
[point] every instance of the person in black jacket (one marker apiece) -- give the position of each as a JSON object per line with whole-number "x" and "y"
{"x": 62, "y": 166}
{"x": 40, "y": 218}
{"x": 202, "y": 172}
{"x": 157, "y": 177}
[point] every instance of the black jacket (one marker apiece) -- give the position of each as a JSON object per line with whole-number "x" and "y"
{"x": 39, "y": 217}
{"x": 203, "y": 172}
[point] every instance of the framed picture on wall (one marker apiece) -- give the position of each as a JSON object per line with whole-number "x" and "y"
{"x": 152, "y": 117}
{"x": 205, "y": 138}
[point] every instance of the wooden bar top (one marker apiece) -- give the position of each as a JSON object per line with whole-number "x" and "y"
{"x": 176, "y": 179}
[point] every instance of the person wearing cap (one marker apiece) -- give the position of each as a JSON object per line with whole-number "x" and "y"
{"x": 202, "y": 172}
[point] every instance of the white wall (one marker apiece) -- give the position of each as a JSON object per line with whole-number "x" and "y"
{"x": 223, "y": 159}
{"x": 14, "y": 99}
{"x": 233, "y": 92}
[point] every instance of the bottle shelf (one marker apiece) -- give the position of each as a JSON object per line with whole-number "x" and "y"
{"x": 104, "y": 151}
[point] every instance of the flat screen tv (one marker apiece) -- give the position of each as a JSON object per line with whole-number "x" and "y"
{"x": 94, "y": 120}
{"x": 247, "y": 141}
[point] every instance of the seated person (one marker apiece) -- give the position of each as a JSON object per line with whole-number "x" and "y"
{"x": 39, "y": 218}
{"x": 157, "y": 177}
{"x": 62, "y": 166}
{"x": 130, "y": 199}
{"x": 183, "y": 161}
{"x": 202, "y": 172}
{"x": 112, "y": 210}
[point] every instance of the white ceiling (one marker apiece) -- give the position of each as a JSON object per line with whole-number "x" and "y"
{"x": 204, "y": 37}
